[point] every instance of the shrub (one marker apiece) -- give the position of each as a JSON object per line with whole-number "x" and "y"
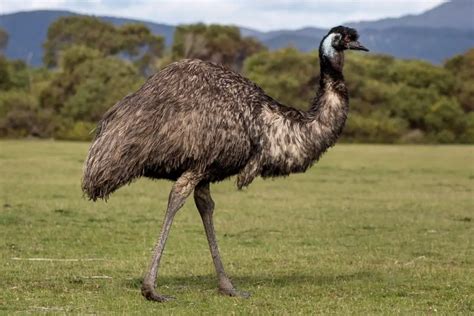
{"x": 19, "y": 116}
{"x": 82, "y": 131}
{"x": 445, "y": 120}
{"x": 376, "y": 128}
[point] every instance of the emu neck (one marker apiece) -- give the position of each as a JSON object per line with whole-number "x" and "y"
{"x": 295, "y": 143}
{"x": 328, "y": 112}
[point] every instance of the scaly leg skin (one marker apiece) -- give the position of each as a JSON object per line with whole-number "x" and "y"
{"x": 205, "y": 205}
{"x": 180, "y": 191}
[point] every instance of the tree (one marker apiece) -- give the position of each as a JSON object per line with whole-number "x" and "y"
{"x": 461, "y": 67}
{"x": 445, "y": 120}
{"x": 88, "y": 84}
{"x": 468, "y": 134}
{"x": 287, "y": 75}
{"x": 378, "y": 127}
{"x": 98, "y": 63}
{"x": 412, "y": 104}
{"x": 20, "y": 116}
{"x": 13, "y": 74}
{"x": 420, "y": 74}
{"x": 3, "y": 40}
{"x": 134, "y": 40}
{"x": 216, "y": 43}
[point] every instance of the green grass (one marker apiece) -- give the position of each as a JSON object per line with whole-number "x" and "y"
{"x": 369, "y": 229}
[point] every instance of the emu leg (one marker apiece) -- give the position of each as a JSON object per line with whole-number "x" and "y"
{"x": 205, "y": 205}
{"x": 180, "y": 191}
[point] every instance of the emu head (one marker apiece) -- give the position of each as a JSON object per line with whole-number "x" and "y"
{"x": 334, "y": 44}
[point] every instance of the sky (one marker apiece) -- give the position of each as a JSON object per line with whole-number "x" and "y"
{"x": 263, "y": 15}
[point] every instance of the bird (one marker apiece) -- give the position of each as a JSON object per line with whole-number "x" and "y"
{"x": 196, "y": 123}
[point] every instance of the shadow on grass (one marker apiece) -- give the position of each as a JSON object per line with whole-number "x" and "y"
{"x": 209, "y": 281}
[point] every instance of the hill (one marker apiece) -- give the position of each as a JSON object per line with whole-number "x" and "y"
{"x": 27, "y": 31}
{"x": 434, "y": 35}
{"x": 431, "y": 44}
{"x": 455, "y": 14}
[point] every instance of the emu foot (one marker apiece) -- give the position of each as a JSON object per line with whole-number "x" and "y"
{"x": 150, "y": 294}
{"x": 233, "y": 292}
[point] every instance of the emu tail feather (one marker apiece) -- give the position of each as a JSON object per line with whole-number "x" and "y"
{"x": 113, "y": 160}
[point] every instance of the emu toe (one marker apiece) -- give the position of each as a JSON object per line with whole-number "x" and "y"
{"x": 151, "y": 295}
{"x": 234, "y": 293}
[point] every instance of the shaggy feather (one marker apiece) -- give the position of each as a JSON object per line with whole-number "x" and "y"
{"x": 195, "y": 116}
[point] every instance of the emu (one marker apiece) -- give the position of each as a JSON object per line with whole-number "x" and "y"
{"x": 196, "y": 123}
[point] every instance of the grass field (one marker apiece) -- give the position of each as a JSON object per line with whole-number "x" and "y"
{"x": 370, "y": 229}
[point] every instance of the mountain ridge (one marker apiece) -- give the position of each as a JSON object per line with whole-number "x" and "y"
{"x": 453, "y": 14}
{"x": 434, "y": 35}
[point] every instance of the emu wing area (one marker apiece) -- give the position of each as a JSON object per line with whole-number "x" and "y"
{"x": 192, "y": 115}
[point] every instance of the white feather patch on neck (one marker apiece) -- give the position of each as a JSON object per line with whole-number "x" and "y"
{"x": 328, "y": 50}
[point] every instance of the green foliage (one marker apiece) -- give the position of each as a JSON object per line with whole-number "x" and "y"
{"x": 76, "y": 55}
{"x": 19, "y": 112}
{"x": 87, "y": 85}
{"x": 132, "y": 39}
{"x": 77, "y": 130}
{"x": 20, "y": 116}
{"x": 3, "y": 40}
{"x": 98, "y": 63}
{"x": 468, "y": 134}
{"x": 375, "y": 128}
{"x": 421, "y": 75}
{"x": 462, "y": 65}
{"x": 97, "y": 85}
{"x": 445, "y": 120}
{"x": 217, "y": 43}
{"x": 9, "y": 100}
{"x": 287, "y": 75}
{"x": 462, "y": 69}
{"x": 412, "y": 104}
{"x": 88, "y": 31}
{"x": 4, "y": 74}
{"x": 13, "y": 74}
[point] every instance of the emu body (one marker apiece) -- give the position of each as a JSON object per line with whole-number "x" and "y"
{"x": 196, "y": 123}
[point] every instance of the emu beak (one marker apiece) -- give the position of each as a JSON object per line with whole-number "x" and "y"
{"x": 355, "y": 45}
